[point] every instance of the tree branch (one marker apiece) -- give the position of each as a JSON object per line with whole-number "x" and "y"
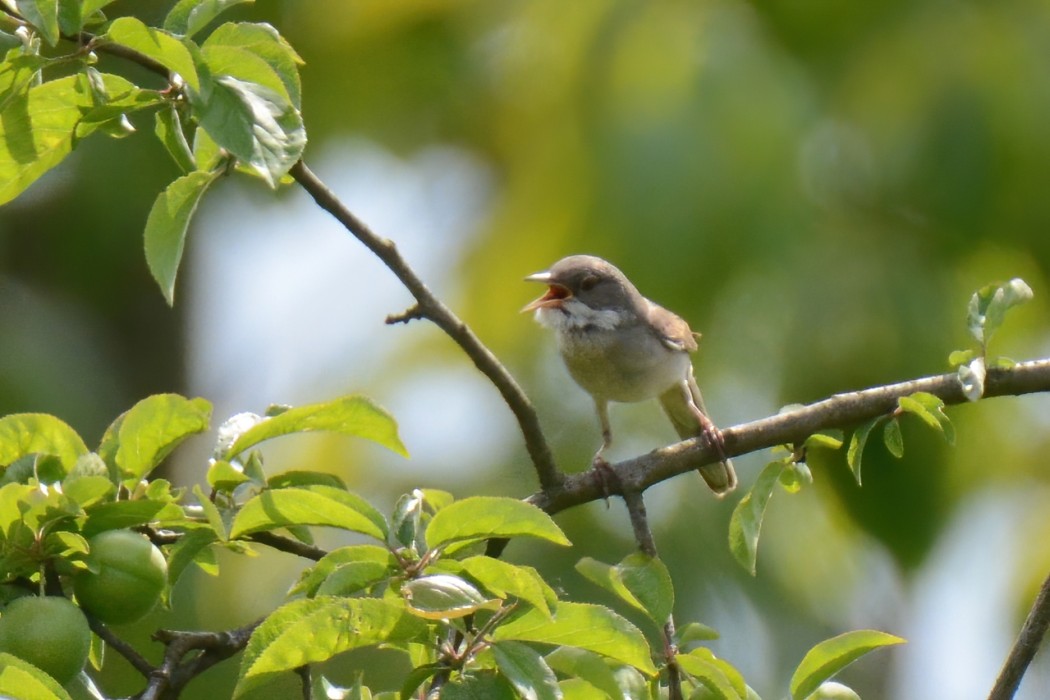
{"x": 430, "y": 307}
{"x": 1024, "y": 649}
{"x": 838, "y": 411}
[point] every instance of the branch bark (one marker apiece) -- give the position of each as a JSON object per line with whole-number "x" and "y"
{"x": 430, "y": 307}
{"x": 1024, "y": 649}
{"x": 838, "y": 411}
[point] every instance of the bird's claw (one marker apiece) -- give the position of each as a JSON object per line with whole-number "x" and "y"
{"x": 604, "y": 473}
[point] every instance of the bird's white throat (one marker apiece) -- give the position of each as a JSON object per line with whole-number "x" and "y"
{"x": 574, "y": 315}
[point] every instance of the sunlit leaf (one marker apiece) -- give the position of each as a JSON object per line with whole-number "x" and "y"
{"x": 43, "y": 15}
{"x": 315, "y": 505}
{"x": 356, "y": 416}
{"x": 159, "y": 45}
{"x": 115, "y": 515}
{"x": 746, "y": 522}
{"x": 832, "y": 655}
{"x": 168, "y": 128}
{"x": 721, "y": 679}
{"x": 153, "y": 427}
{"x": 265, "y": 42}
{"x": 481, "y": 685}
{"x": 312, "y": 579}
{"x": 312, "y": 630}
{"x": 24, "y": 434}
{"x": 930, "y": 409}
{"x": 502, "y": 579}
{"x": 591, "y": 627}
{"x": 829, "y": 439}
{"x": 484, "y": 517}
{"x": 353, "y": 577}
{"x": 21, "y": 679}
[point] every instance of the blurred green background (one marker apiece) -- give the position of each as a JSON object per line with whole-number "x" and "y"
{"x": 816, "y": 186}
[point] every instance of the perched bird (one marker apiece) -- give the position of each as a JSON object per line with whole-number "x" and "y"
{"x": 619, "y": 346}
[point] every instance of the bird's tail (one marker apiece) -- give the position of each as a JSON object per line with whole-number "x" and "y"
{"x": 720, "y": 477}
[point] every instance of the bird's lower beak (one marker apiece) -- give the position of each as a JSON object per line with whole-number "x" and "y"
{"x": 556, "y": 293}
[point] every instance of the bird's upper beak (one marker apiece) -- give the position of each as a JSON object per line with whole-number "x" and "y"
{"x": 556, "y": 293}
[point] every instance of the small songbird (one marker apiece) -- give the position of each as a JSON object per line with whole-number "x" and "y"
{"x": 619, "y": 346}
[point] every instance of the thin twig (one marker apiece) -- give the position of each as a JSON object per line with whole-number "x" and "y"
{"x": 643, "y": 535}
{"x": 138, "y": 662}
{"x": 432, "y": 308}
{"x": 838, "y": 411}
{"x": 1024, "y": 649}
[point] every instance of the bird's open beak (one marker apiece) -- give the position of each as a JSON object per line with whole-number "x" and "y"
{"x": 556, "y": 293}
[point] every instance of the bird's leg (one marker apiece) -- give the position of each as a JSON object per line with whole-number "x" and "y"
{"x": 711, "y": 432}
{"x": 601, "y": 467}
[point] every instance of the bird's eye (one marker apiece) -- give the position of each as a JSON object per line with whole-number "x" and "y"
{"x": 588, "y": 283}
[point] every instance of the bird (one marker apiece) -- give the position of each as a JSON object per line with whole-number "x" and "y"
{"x": 621, "y": 347}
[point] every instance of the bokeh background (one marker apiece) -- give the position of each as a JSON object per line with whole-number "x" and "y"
{"x": 817, "y": 186}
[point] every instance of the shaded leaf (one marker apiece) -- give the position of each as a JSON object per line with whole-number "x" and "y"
{"x": 190, "y": 16}
{"x": 356, "y": 416}
{"x": 166, "y": 226}
{"x": 526, "y": 670}
{"x": 259, "y": 126}
{"x": 484, "y": 517}
{"x": 442, "y": 596}
{"x": 483, "y": 685}
{"x": 168, "y": 128}
{"x": 832, "y": 655}
{"x": 591, "y": 627}
{"x": 586, "y": 665}
{"x": 722, "y": 682}
{"x": 43, "y": 15}
{"x": 746, "y": 522}
{"x": 116, "y": 515}
{"x": 892, "y": 437}
{"x": 857, "y": 441}
{"x": 353, "y": 577}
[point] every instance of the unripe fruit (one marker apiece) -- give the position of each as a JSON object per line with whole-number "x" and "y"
{"x": 127, "y": 579}
{"x": 51, "y": 633}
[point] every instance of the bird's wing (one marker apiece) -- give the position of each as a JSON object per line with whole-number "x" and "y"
{"x": 671, "y": 329}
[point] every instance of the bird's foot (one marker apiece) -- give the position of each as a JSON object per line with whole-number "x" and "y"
{"x": 713, "y": 436}
{"x": 605, "y": 474}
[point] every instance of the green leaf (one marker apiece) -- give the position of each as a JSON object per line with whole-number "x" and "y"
{"x": 988, "y": 307}
{"x": 930, "y": 409}
{"x": 696, "y": 632}
{"x": 259, "y": 126}
{"x": 857, "y": 441}
{"x": 649, "y": 581}
{"x": 153, "y": 427}
{"x": 17, "y": 73}
{"x": 166, "y": 227}
{"x": 639, "y": 580}
{"x": 485, "y": 517}
{"x": 316, "y": 629}
{"x": 587, "y": 666}
{"x": 43, "y": 15}
{"x": 241, "y": 63}
{"x": 891, "y": 435}
{"x": 971, "y": 377}
{"x": 832, "y": 655}
{"x": 591, "y": 627}
{"x": 224, "y": 476}
{"x": 356, "y": 416}
{"x": 211, "y": 513}
{"x": 482, "y": 685}
{"x": 190, "y": 16}
{"x": 960, "y": 357}
{"x": 161, "y": 46}
{"x": 116, "y": 515}
{"x": 21, "y": 679}
{"x": 746, "y": 522}
{"x": 312, "y": 578}
{"x": 724, "y": 682}
{"x": 265, "y": 42}
{"x": 206, "y": 153}
{"x": 24, "y": 434}
{"x": 502, "y": 579}
{"x": 829, "y": 439}
{"x": 354, "y": 577}
{"x": 442, "y": 596}
{"x": 314, "y": 505}
{"x": 168, "y": 129}
{"x": 86, "y": 491}
{"x": 187, "y": 549}
{"x": 36, "y": 132}
{"x": 795, "y": 476}
{"x": 526, "y": 670}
